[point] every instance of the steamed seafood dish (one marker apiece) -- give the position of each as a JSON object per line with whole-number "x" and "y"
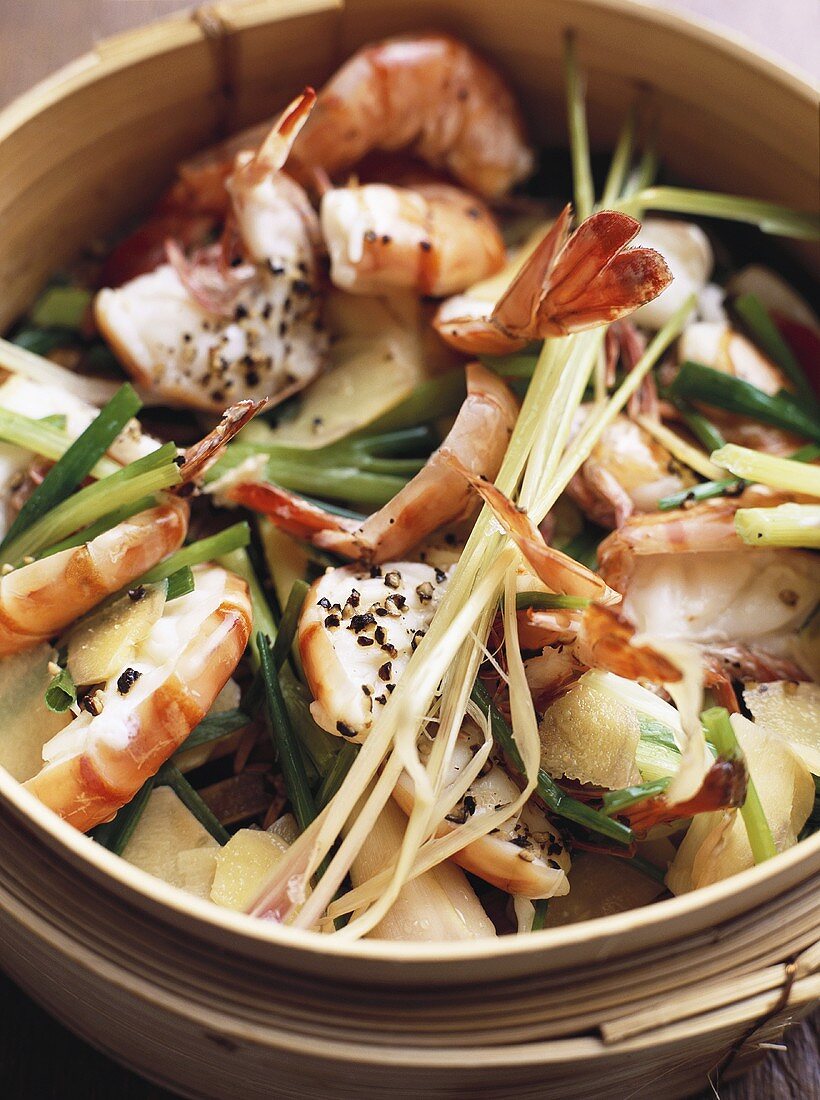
{"x": 396, "y": 546}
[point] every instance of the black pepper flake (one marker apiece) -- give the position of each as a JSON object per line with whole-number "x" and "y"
{"x": 332, "y": 620}
{"x": 370, "y": 235}
{"x": 127, "y": 680}
{"x": 386, "y": 671}
{"x": 390, "y": 649}
{"x": 187, "y": 337}
{"x": 414, "y": 643}
{"x": 92, "y": 702}
{"x": 366, "y": 690}
{"x": 324, "y": 602}
{"x": 344, "y": 729}
{"x": 398, "y": 601}
{"x": 393, "y": 578}
{"x": 554, "y": 864}
{"x": 381, "y": 611}
{"x": 365, "y": 639}
{"x": 275, "y": 269}
{"x": 240, "y": 313}
{"x": 252, "y": 378}
{"x": 267, "y": 310}
{"x": 390, "y": 687}
{"x": 425, "y": 246}
{"x": 375, "y": 571}
{"x": 380, "y": 635}
{"x": 386, "y": 238}
{"x": 136, "y": 594}
{"x": 381, "y": 699}
{"x": 301, "y": 286}
{"x": 362, "y": 622}
{"x": 354, "y": 598}
{"x": 469, "y": 805}
{"x": 425, "y": 591}
{"x": 519, "y": 841}
{"x": 440, "y": 575}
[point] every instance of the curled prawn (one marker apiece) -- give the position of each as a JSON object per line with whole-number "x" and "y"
{"x": 40, "y": 599}
{"x": 240, "y": 318}
{"x": 686, "y": 576}
{"x": 525, "y": 855}
{"x": 570, "y": 282}
{"x": 434, "y": 238}
{"x": 430, "y": 95}
{"x": 436, "y": 496}
{"x": 98, "y": 762}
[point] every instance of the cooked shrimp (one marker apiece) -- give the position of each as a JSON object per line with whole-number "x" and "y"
{"x": 720, "y": 346}
{"x": 743, "y": 607}
{"x": 436, "y": 496}
{"x": 429, "y": 94}
{"x": 526, "y": 855}
{"x": 242, "y": 318}
{"x": 40, "y": 599}
{"x": 357, "y": 631}
{"x": 434, "y": 238}
{"x": 628, "y": 471}
{"x": 98, "y": 762}
{"x": 571, "y": 282}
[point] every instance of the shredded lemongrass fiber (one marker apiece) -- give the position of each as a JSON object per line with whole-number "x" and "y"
{"x": 684, "y": 452}
{"x": 778, "y": 473}
{"x": 578, "y": 138}
{"x": 795, "y": 525}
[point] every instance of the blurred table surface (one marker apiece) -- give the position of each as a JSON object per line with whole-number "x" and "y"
{"x": 39, "y": 1058}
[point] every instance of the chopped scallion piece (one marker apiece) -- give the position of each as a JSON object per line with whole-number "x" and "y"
{"x": 44, "y": 438}
{"x": 550, "y": 601}
{"x": 333, "y": 779}
{"x": 696, "y": 382}
{"x": 180, "y": 583}
{"x": 61, "y": 307}
{"x": 61, "y": 692}
{"x": 75, "y": 465}
{"x": 719, "y": 733}
{"x": 728, "y": 486}
{"x": 284, "y": 741}
{"x": 115, "y": 834}
{"x": 539, "y": 918}
{"x": 169, "y": 775}
{"x": 86, "y": 534}
{"x": 617, "y": 801}
{"x": 702, "y": 429}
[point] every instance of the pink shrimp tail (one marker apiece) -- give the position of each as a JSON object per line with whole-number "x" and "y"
{"x": 288, "y": 511}
{"x": 557, "y": 570}
{"x": 579, "y": 281}
{"x": 201, "y": 455}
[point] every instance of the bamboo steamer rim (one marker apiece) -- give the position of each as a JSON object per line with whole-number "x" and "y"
{"x": 222, "y": 20}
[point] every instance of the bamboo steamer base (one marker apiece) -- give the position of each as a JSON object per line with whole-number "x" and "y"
{"x": 209, "y": 1003}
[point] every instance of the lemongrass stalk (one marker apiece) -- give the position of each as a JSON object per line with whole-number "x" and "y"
{"x": 684, "y": 452}
{"x": 600, "y": 418}
{"x": 777, "y": 473}
{"x": 786, "y": 525}
{"x": 770, "y": 217}
{"x": 583, "y": 187}
{"x": 43, "y": 438}
{"x": 35, "y": 367}
{"x": 619, "y": 166}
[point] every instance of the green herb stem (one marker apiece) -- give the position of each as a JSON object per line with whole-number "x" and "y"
{"x": 214, "y": 727}
{"x": 43, "y": 437}
{"x": 334, "y": 777}
{"x": 289, "y": 623}
{"x": 203, "y": 550}
{"x": 720, "y": 733}
{"x": 283, "y": 738}
{"x": 115, "y": 834}
{"x": 550, "y": 601}
{"x": 696, "y": 382}
{"x": 770, "y": 217}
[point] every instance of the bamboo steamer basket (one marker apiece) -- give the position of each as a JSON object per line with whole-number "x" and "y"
{"x": 210, "y": 1003}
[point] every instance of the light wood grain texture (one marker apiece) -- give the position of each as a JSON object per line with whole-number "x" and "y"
{"x": 54, "y": 940}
